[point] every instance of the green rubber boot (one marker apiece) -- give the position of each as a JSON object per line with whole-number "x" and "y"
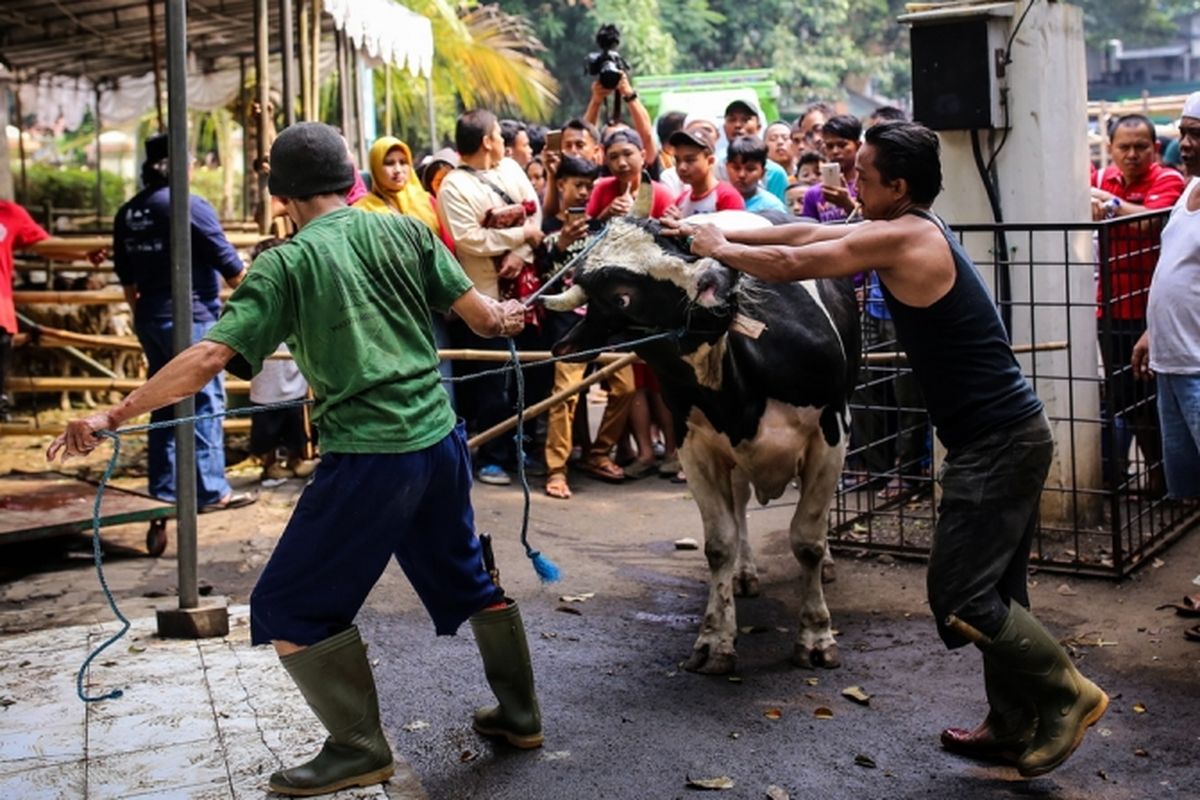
{"x": 336, "y": 681}
{"x": 1066, "y": 702}
{"x": 501, "y": 639}
{"x": 1008, "y": 728}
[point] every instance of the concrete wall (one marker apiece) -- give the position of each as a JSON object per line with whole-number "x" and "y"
{"x": 1042, "y": 176}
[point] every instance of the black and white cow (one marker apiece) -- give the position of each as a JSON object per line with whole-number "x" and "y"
{"x": 758, "y": 384}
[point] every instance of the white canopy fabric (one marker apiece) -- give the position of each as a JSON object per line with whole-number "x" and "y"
{"x": 387, "y": 31}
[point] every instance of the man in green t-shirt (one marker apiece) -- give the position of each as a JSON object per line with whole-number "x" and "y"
{"x": 351, "y": 294}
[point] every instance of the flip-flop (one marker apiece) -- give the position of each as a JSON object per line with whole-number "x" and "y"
{"x": 234, "y": 500}
{"x": 604, "y": 469}
{"x": 1190, "y": 607}
{"x": 1192, "y": 634}
{"x": 557, "y": 487}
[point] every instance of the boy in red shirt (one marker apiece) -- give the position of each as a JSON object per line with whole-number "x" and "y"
{"x": 627, "y": 190}
{"x": 695, "y": 163}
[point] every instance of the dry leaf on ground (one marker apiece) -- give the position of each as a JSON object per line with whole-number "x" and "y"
{"x": 723, "y": 782}
{"x": 856, "y": 694}
{"x": 415, "y": 725}
{"x": 863, "y": 760}
{"x": 821, "y": 712}
{"x": 773, "y": 713}
{"x": 582, "y": 597}
{"x": 687, "y": 543}
{"x": 1139, "y": 708}
{"x": 776, "y": 793}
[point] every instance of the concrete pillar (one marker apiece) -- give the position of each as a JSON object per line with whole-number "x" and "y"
{"x": 1042, "y": 176}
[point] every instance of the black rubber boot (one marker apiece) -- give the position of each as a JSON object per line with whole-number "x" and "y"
{"x": 336, "y": 681}
{"x": 1066, "y": 703}
{"x": 1008, "y": 728}
{"x": 501, "y": 639}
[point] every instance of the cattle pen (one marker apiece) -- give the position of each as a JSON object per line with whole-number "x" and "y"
{"x": 1103, "y": 512}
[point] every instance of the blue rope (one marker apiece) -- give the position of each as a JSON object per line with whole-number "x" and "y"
{"x": 112, "y": 603}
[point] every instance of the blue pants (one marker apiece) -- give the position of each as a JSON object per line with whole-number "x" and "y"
{"x": 1179, "y": 416}
{"x": 156, "y": 338}
{"x": 360, "y": 511}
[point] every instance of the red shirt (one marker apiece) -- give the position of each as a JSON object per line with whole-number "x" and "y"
{"x": 1133, "y": 248}
{"x": 722, "y": 198}
{"x": 604, "y": 191}
{"x": 17, "y": 231}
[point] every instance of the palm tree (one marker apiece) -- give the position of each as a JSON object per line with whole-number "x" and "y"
{"x": 482, "y": 57}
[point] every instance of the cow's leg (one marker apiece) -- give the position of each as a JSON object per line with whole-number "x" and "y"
{"x": 815, "y": 645}
{"x": 709, "y": 479}
{"x": 745, "y": 573}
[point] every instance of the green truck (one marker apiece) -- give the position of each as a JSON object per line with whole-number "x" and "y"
{"x": 708, "y": 93}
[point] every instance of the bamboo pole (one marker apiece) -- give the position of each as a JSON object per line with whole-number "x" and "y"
{"x": 235, "y": 425}
{"x": 1038, "y": 347}
{"x": 555, "y": 399}
{"x": 315, "y": 61}
{"x": 156, "y": 68}
{"x": 304, "y": 39}
{"x": 23, "y": 197}
{"x": 262, "y": 82}
{"x": 54, "y": 383}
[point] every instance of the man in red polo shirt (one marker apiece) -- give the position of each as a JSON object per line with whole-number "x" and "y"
{"x": 1134, "y": 183}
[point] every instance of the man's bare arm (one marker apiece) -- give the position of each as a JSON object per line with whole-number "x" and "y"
{"x": 870, "y": 246}
{"x": 182, "y": 377}
{"x": 488, "y": 317}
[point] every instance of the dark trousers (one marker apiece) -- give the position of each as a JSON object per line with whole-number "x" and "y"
{"x": 361, "y": 510}
{"x": 986, "y": 521}
{"x": 5, "y": 352}
{"x": 889, "y": 420}
{"x": 1130, "y": 399}
{"x": 487, "y": 401}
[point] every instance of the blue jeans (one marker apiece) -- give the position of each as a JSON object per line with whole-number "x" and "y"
{"x": 1179, "y": 418}
{"x": 155, "y": 336}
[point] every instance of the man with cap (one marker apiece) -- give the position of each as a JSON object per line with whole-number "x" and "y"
{"x": 1169, "y": 350}
{"x": 743, "y": 119}
{"x": 142, "y": 257}
{"x": 351, "y": 294}
{"x": 703, "y": 191}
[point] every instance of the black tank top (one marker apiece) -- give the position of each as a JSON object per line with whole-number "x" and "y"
{"x": 962, "y": 357}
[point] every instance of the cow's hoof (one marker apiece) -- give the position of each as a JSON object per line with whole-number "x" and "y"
{"x": 705, "y": 662}
{"x": 811, "y": 658}
{"x": 745, "y": 586}
{"x": 828, "y": 572}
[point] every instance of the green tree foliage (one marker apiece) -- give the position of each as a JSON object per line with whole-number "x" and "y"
{"x": 71, "y": 187}
{"x": 1134, "y": 22}
{"x": 811, "y": 46}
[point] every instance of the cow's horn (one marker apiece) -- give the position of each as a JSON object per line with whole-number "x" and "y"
{"x": 570, "y": 299}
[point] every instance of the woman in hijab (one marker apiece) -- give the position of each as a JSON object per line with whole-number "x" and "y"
{"x": 395, "y": 188}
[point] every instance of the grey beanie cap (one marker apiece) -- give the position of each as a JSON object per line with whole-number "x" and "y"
{"x": 309, "y": 158}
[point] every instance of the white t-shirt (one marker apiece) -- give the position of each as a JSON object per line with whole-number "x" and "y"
{"x": 279, "y": 380}
{"x": 1173, "y": 315}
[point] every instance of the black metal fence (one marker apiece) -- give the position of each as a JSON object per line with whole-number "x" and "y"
{"x": 1103, "y": 509}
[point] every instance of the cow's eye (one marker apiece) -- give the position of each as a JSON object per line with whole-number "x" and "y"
{"x": 622, "y": 300}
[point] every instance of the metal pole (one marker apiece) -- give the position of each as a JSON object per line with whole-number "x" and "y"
{"x": 305, "y": 71}
{"x": 181, "y": 294}
{"x": 339, "y": 51}
{"x": 244, "y": 121}
{"x": 262, "y": 79}
{"x": 21, "y": 147}
{"x": 154, "y": 60}
{"x": 315, "y": 53}
{"x": 287, "y": 58}
{"x": 387, "y": 100}
{"x": 360, "y": 128}
{"x": 99, "y": 173}
{"x": 432, "y": 114}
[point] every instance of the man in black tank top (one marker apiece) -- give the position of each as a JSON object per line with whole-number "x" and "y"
{"x": 998, "y": 441}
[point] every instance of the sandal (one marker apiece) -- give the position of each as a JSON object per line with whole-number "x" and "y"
{"x": 895, "y": 489}
{"x": 1190, "y": 607}
{"x": 557, "y": 487}
{"x": 669, "y": 467}
{"x": 1192, "y": 634}
{"x": 603, "y": 468}
{"x": 639, "y": 469}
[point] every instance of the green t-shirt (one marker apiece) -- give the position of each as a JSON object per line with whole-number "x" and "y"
{"x": 351, "y": 295}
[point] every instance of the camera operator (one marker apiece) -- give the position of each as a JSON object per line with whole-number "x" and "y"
{"x": 639, "y": 116}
